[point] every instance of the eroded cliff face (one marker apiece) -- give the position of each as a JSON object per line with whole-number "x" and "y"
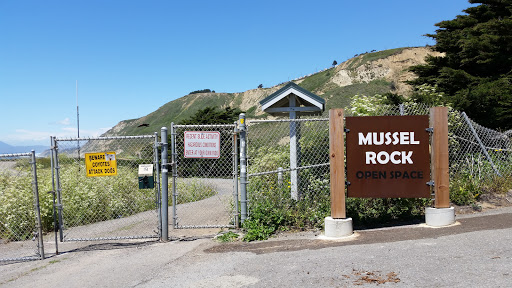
{"x": 393, "y": 68}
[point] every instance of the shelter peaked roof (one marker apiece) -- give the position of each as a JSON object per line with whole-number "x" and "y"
{"x": 306, "y": 102}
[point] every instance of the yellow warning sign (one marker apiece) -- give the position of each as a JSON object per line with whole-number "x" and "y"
{"x": 101, "y": 164}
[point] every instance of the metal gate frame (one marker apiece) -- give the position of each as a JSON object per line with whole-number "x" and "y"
{"x": 56, "y": 171}
{"x": 175, "y": 163}
{"x": 38, "y": 229}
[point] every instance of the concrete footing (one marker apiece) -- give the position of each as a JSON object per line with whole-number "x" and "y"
{"x": 438, "y": 217}
{"x": 338, "y": 228}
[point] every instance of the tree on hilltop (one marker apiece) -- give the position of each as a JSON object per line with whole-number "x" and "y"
{"x": 475, "y": 75}
{"x": 212, "y": 115}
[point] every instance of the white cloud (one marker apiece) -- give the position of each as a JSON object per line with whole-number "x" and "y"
{"x": 65, "y": 121}
{"x": 71, "y": 130}
{"x": 23, "y": 136}
{"x": 27, "y": 135}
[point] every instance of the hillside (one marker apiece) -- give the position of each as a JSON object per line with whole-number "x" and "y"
{"x": 9, "y": 149}
{"x": 366, "y": 74}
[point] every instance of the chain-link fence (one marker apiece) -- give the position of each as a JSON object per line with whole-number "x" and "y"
{"x": 20, "y": 218}
{"x": 478, "y": 151}
{"x": 288, "y": 160}
{"x": 204, "y": 184}
{"x": 98, "y": 188}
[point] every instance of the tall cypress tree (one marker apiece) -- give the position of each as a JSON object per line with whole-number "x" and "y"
{"x": 476, "y": 71}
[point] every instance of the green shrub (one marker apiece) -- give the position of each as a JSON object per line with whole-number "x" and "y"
{"x": 475, "y": 177}
{"x": 497, "y": 185}
{"x": 85, "y": 200}
{"x": 229, "y": 236}
{"x": 92, "y": 199}
{"x": 17, "y": 209}
{"x": 272, "y": 209}
{"x": 464, "y": 189}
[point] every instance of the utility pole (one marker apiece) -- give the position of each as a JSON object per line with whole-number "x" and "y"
{"x": 77, "y": 125}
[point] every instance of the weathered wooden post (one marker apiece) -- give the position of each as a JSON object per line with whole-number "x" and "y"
{"x": 442, "y": 214}
{"x": 337, "y": 163}
{"x": 338, "y": 225}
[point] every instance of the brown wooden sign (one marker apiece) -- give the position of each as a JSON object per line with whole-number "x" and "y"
{"x": 388, "y": 156}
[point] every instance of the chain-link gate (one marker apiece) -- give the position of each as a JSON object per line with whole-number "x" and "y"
{"x": 104, "y": 200}
{"x": 20, "y": 217}
{"x": 204, "y": 176}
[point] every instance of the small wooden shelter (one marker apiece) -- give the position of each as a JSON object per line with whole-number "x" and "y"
{"x": 294, "y": 101}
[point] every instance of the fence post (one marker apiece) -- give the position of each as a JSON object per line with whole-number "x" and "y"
{"x": 165, "y": 187}
{"x": 158, "y": 191}
{"x": 55, "y": 224}
{"x": 174, "y": 175}
{"x": 480, "y": 143}
{"x": 55, "y": 150}
{"x": 235, "y": 175}
{"x": 243, "y": 166}
{"x": 36, "y": 206}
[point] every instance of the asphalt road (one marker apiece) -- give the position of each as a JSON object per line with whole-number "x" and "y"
{"x": 476, "y": 252}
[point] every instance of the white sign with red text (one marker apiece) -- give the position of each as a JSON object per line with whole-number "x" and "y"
{"x": 200, "y": 144}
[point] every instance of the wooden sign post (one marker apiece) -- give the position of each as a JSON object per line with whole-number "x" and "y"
{"x": 442, "y": 214}
{"x": 338, "y": 225}
{"x": 337, "y": 163}
{"x": 388, "y": 157}
{"x": 439, "y": 156}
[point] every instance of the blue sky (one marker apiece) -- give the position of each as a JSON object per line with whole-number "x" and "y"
{"x": 131, "y": 57}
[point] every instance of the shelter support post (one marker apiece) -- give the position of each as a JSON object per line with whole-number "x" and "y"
{"x": 294, "y": 151}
